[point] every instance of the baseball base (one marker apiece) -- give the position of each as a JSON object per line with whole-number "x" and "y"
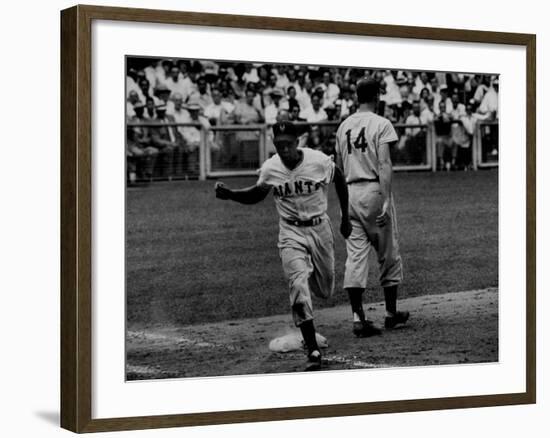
{"x": 293, "y": 341}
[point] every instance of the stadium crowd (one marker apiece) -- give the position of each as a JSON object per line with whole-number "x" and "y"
{"x": 207, "y": 93}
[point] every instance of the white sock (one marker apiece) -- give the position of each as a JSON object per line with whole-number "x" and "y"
{"x": 356, "y": 317}
{"x": 389, "y": 314}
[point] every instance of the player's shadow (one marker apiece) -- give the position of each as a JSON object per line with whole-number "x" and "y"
{"x": 51, "y": 417}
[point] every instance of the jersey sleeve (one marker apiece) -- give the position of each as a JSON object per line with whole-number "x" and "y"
{"x": 338, "y": 141}
{"x": 327, "y": 168}
{"x": 264, "y": 176}
{"x": 387, "y": 133}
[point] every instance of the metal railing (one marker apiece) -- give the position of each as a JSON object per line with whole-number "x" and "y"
{"x": 413, "y": 150}
{"x": 235, "y": 150}
{"x": 486, "y": 144}
{"x": 239, "y": 150}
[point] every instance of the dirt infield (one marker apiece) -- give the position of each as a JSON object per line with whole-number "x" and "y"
{"x": 451, "y": 328}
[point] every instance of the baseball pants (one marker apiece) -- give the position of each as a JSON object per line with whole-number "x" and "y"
{"x": 307, "y": 256}
{"x": 365, "y": 199}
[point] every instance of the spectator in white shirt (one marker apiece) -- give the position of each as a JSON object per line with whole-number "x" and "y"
{"x": 407, "y": 95}
{"x": 441, "y": 78}
{"x": 291, "y": 76}
{"x": 202, "y": 95}
{"x": 302, "y": 94}
{"x": 282, "y": 81}
{"x": 188, "y": 81}
{"x": 176, "y": 84}
{"x": 331, "y": 91}
{"x": 164, "y": 138}
{"x": 434, "y": 85}
{"x": 392, "y": 96}
{"x": 133, "y": 99}
{"x": 271, "y": 111}
{"x": 469, "y": 120}
{"x": 414, "y": 119}
{"x": 446, "y": 153}
{"x": 162, "y": 71}
{"x": 191, "y": 134}
{"x": 132, "y": 81}
{"x": 346, "y": 102}
{"x": 150, "y": 73}
{"x": 180, "y": 114}
{"x": 489, "y": 104}
{"x": 219, "y": 111}
{"x": 246, "y": 112}
{"x": 425, "y": 96}
{"x": 458, "y": 109}
{"x": 143, "y": 154}
{"x": 192, "y": 138}
{"x": 250, "y": 74}
{"x": 271, "y": 86}
{"x": 422, "y": 81}
{"x": 315, "y": 113}
{"x": 146, "y": 91}
{"x": 150, "y": 109}
{"x": 413, "y": 145}
{"x": 482, "y": 88}
{"x": 464, "y": 140}
{"x": 442, "y": 96}
{"x": 426, "y": 114}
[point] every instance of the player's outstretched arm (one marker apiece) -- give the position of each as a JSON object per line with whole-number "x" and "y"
{"x": 385, "y": 175}
{"x": 248, "y": 195}
{"x": 343, "y": 197}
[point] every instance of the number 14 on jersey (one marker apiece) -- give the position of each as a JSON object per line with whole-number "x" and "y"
{"x": 359, "y": 143}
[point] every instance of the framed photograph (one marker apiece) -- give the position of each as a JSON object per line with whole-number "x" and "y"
{"x": 269, "y": 219}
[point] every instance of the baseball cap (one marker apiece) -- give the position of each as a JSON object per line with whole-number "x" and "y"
{"x": 276, "y": 92}
{"x": 284, "y": 129}
{"x": 193, "y": 106}
{"x": 161, "y": 88}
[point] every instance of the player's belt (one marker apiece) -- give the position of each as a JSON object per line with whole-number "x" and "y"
{"x": 364, "y": 180}
{"x": 309, "y": 223}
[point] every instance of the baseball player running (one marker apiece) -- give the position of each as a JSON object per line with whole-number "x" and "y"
{"x": 299, "y": 179}
{"x": 363, "y": 143}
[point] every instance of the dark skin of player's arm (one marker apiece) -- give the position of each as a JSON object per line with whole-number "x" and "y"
{"x": 248, "y": 195}
{"x": 343, "y": 197}
{"x": 385, "y": 174}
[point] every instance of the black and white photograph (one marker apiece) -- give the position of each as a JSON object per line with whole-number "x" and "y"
{"x": 286, "y": 218}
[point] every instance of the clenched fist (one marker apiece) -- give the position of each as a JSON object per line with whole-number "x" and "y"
{"x": 222, "y": 192}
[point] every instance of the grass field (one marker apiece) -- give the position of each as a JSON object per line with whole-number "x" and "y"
{"x": 191, "y": 258}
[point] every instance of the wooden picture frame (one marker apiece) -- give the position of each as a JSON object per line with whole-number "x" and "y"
{"x": 76, "y": 218}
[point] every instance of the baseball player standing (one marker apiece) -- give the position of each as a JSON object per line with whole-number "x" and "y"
{"x": 299, "y": 179}
{"x": 363, "y": 143}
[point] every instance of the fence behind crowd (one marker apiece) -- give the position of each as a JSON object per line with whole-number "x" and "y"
{"x": 167, "y": 151}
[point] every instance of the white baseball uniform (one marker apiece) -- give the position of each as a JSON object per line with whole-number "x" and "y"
{"x": 357, "y": 142}
{"x": 306, "y": 239}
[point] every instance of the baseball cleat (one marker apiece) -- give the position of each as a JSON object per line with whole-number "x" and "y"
{"x": 364, "y": 329}
{"x": 313, "y": 361}
{"x": 397, "y": 318}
